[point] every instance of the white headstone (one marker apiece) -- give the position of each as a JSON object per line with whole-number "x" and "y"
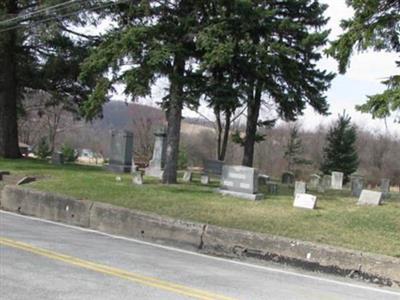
{"x": 337, "y": 180}
{"x": 137, "y": 178}
{"x": 187, "y": 176}
{"x": 300, "y": 187}
{"x": 370, "y": 198}
{"x": 205, "y": 179}
{"x": 305, "y": 201}
{"x": 156, "y": 164}
{"x": 315, "y": 181}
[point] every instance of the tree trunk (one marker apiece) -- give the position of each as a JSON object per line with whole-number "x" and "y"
{"x": 225, "y": 137}
{"x": 217, "y": 113}
{"x": 8, "y": 90}
{"x": 253, "y": 111}
{"x": 174, "y": 116}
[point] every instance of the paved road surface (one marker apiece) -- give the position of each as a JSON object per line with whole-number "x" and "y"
{"x": 44, "y": 260}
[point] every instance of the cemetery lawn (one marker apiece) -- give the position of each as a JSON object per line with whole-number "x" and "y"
{"x": 338, "y": 221}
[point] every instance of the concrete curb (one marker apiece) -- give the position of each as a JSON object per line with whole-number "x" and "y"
{"x": 201, "y": 237}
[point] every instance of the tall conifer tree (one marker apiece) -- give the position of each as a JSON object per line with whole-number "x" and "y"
{"x": 340, "y": 153}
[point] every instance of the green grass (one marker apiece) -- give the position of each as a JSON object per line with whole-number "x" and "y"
{"x": 337, "y": 221}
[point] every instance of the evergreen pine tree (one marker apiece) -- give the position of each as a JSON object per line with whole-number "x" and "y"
{"x": 340, "y": 153}
{"x": 294, "y": 149}
{"x": 374, "y": 25}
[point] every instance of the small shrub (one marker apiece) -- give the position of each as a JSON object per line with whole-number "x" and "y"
{"x": 182, "y": 159}
{"x": 43, "y": 149}
{"x": 69, "y": 153}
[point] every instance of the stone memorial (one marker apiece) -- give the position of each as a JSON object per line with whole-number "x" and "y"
{"x": 357, "y": 185}
{"x": 26, "y": 180}
{"x": 337, "y": 180}
{"x": 205, "y": 179}
{"x": 385, "y": 187}
{"x": 370, "y": 198}
{"x": 187, "y": 176}
{"x": 326, "y": 181}
{"x": 263, "y": 179}
{"x": 212, "y": 167}
{"x": 57, "y": 158}
{"x": 300, "y": 187}
{"x": 240, "y": 181}
{"x": 156, "y": 164}
{"x": 137, "y": 178}
{"x": 121, "y": 151}
{"x": 315, "y": 181}
{"x": 287, "y": 178}
{"x": 272, "y": 188}
{"x": 305, "y": 201}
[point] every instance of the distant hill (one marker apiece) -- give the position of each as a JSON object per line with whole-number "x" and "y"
{"x": 121, "y": 115}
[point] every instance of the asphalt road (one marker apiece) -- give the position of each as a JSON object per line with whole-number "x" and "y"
{"x": 44, "y": 260}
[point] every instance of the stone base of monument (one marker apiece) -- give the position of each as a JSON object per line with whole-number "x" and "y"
{"x": 118, "y": 168}
{"x": 247, "y": 196}
{"x": 154, "y": 172}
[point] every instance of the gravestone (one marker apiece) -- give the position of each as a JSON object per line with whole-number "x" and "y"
{"x": 357, "y": 185}
{"x": 121, "y": 151}
{"x": 272, "y": 188}
{"x": 57, "y": 158}
{"x": 287, "y": 178}
{"x": 326, "y": 181}
{"x": 212, "y": 167}
{"x": 315, "y": 181}
{"x": 26, "y": 180}
{"x": 300, "y": 187}
{"x": 205, "y": 179}
{"x": 337, "y": 180}
{"x": 187, "y": 176}
{"x": 263, "y": 179}
{"x": 370, "y": 198}
{"x": 240, "y": 181}
{"x": 156, "y": 164}
{"x": 385, "y": 187}
{"x": 305, "y": 201}
{"x": 137, "y": 178}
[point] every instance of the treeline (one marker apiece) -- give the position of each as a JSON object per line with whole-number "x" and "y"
{"x": 378, "y": 153}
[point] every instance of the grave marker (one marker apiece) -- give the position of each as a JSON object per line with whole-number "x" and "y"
{"x": 240, "y": 181}
{"x": 287, "y": 178}
{"x": 337, "y": 180}
{"x": 157, "y": 162}
{"x": 205, "y": 179}
{"x": 385, "y": 187}
{"x": 300, "y": 187}
{"x": 315, "y": 181}
{"x": 187, "y": 176}
{"x": 305, "y": 201}
{"x": 57, "y": 158}
{"x": 357, "y": 185}
{"x": 137, "y": 178}
{"x": 121, "y": 151}
{"x": 370, "y": 198}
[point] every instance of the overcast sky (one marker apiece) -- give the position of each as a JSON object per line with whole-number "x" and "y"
{"x": 363, "y": 78}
